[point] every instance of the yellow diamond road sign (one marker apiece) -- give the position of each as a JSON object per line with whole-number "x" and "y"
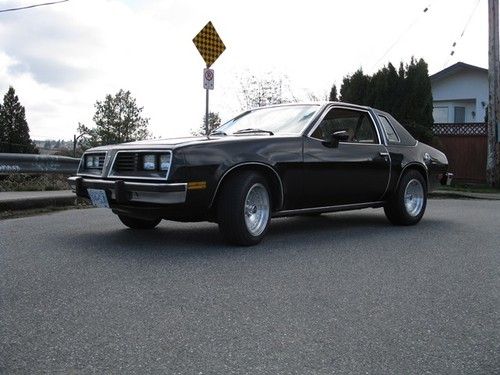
{"x": 209, "y": 44}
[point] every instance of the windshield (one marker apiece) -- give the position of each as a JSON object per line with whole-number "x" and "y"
{"x": 272, "y": 120}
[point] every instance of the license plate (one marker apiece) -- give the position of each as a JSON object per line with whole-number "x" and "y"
{"x": 98, "y": 197}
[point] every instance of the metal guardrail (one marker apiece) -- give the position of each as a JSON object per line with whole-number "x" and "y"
{"x": 37, "y": 164}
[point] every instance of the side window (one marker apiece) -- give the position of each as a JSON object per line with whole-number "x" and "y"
{"x": 357, "y": 124}
{"x": 389, "y": 130}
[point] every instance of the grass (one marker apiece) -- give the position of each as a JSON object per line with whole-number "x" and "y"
{"x": 470, "y": 188}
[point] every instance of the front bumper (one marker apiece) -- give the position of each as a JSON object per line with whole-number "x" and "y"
{"x": 123, "y": 192}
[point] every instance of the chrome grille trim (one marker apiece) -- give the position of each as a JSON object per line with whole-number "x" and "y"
{"x": 129, "y": 160}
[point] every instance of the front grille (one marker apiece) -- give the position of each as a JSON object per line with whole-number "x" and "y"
{"x": 131, "y": 164}
{"x": 126, "y": 162}
{"x": 101, "y": 161}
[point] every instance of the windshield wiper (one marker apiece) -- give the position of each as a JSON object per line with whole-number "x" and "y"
{"x": 253, "y": 130}
{"x": 218, "y": 132}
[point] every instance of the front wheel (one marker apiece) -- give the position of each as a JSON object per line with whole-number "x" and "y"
{"x": 244, "y": 208}
{"x": 408, "y": 203}
{"x": 136, "y": 223}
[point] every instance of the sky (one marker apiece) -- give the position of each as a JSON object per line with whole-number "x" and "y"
{"x": 62, "y": 58}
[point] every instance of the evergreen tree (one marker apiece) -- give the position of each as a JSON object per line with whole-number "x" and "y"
{"x": 118, "y": 119}
{"x": 354, "y": 88}
{"x": 14, "y": 130}
{"x": 405, "y": 93}
{"x": 214, "y": 122}
{"x": 333, "y": 94}
{"x": 418, "y": 101}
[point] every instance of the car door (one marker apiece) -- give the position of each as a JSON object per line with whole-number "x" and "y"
{"x": 355, "y": 170}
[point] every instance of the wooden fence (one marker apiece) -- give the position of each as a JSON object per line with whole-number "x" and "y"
{"x": 465, "y": 145}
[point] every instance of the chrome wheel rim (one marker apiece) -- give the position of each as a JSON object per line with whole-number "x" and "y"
{"x": 414, "y": 197}
{"x": 256, "y": 209}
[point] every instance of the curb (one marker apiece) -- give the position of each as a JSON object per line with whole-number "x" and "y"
{"x": 463, "y": 195}
{"x": 42, "y": 202}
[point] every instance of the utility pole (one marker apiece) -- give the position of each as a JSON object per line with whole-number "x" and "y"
{"x": 492, "y": 173}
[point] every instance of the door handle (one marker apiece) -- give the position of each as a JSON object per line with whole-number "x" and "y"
{"x": 384, "y": 154}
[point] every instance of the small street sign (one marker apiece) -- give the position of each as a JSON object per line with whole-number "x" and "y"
{"x": 210, "y": 47}
{"x": 208, "y": 79}
{"x": 209, "y": 44}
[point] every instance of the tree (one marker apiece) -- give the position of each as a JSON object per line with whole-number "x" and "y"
{"x": 214, "y": 122}
{"x": 405, "y": 93}
{"x": 118, "y": 119}
{"x": 354, "y": 88}
{"x": 14, "y": 129}
{"x": 258, "y": 91}
{"x": 333, "y": 94}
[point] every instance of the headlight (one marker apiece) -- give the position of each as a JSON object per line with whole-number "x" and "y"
{"x": 92, "y": 161}
{"x": 165, "y": 162}
{"x": 149, "y": 162}
{"x": 89, "y": 161}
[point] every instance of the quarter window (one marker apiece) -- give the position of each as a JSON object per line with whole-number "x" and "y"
{"x": 388, "y": 130}
{"x": 357, "y": 124}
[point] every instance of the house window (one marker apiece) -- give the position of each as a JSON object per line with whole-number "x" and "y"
{"x": 459, "y": 115}
{"x": 440, "y": 114}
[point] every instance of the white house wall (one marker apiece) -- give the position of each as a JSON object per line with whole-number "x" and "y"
{"x": 463, "y": 87}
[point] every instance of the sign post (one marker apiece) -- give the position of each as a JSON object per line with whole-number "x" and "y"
{"x": 210, "y": 46}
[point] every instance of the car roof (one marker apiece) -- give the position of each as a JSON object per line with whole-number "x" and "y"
{"x": 318, "y": 103}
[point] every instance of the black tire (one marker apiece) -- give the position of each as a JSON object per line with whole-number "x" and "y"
{"x": 231, "y": 208}
{"x": 396, "y": 210}
{"x": 136, "y": 223}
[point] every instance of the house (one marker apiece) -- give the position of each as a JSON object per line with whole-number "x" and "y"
{"x": 460, "y": 94}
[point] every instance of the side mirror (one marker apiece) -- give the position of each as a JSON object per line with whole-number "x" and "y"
{"x": 341, "y": 135}
{"x": 333, "y": 139}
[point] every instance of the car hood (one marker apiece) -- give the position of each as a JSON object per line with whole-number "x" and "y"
{"x": 173, "y": 143}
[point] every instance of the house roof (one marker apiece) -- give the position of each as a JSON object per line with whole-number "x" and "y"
{"x": 454, "y": 69}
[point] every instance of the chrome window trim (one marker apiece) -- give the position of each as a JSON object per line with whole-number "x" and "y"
{"x": 333, "y": 106}
{"x": 83, "y": 158}
{"x": 112, "y": 175}
{"x": 249, "y": 163}
{"x": 385, "y": 133}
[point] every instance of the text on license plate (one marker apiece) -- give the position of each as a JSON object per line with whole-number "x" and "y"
{"x": 98, "y": 197}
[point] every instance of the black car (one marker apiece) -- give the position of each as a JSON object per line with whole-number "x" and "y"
{"x": 274, "y": 161}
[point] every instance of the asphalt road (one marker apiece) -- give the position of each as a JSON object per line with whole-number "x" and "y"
{"x": 339, "y": 293}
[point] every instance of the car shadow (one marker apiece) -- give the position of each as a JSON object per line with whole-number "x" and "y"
{"x": 204, "y": 238}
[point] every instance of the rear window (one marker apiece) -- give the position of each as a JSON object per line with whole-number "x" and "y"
{"x": 405, "y": 138}
{"x": 389, "y": 131}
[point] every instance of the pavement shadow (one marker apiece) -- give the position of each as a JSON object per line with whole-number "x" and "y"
{"x": 204, "y": 238}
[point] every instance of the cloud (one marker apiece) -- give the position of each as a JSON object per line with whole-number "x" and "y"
{"x": 62, "y": 58}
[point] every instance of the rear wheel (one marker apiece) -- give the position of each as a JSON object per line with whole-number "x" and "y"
{"x": 244, "y": 208}
{"x": 407, "y": 205}
{"x": 136, "y": 223}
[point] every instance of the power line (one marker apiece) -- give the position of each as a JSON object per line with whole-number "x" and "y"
{"x": 462, "y": 34}
{"x": 32, "y": 6}
{"x": 424, "y": 11}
